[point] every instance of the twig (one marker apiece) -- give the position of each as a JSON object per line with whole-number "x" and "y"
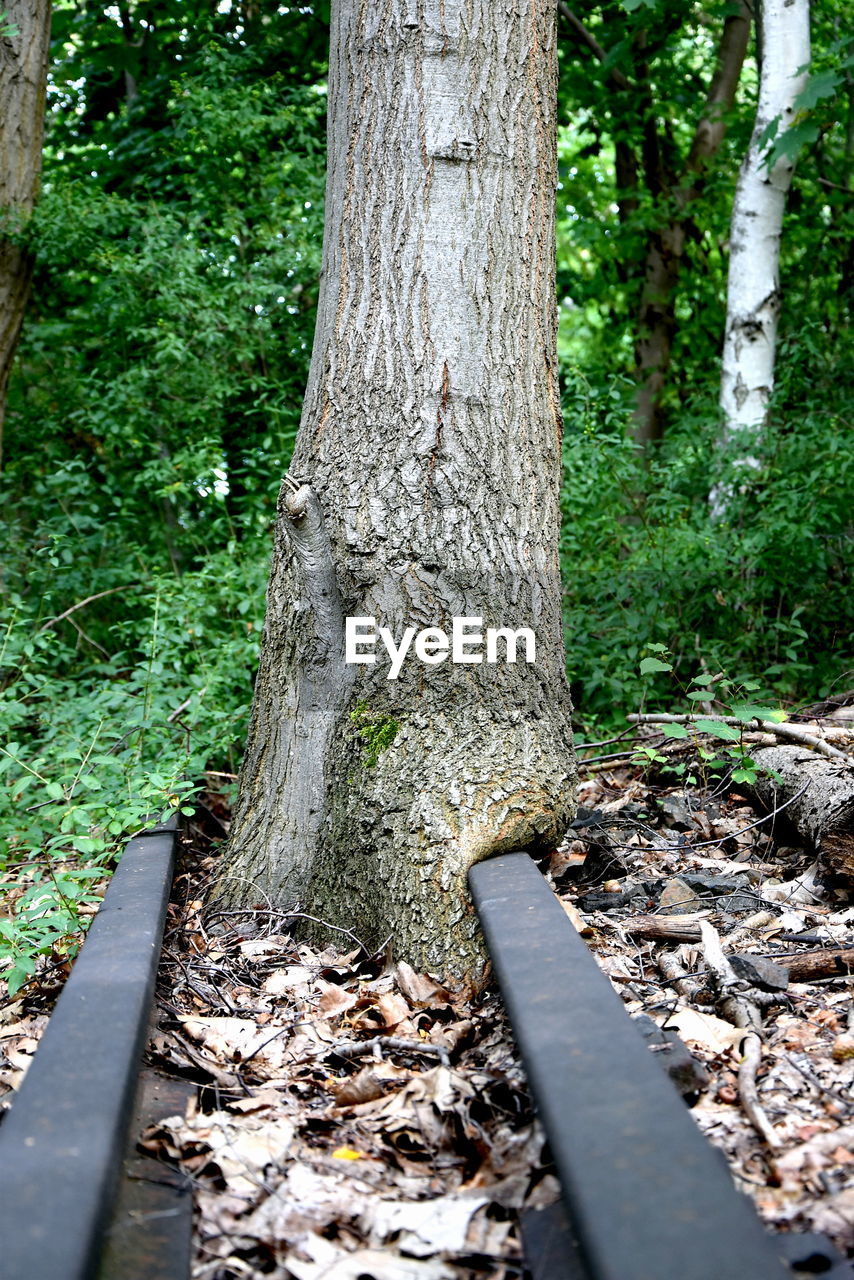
{"x": 225, "y": 1079}
{"x": 285, "y": 914}
{"x": 85, "y": 636}
{"x": 743, "y": 1013}
{"x": 99, "y": 595}
{"x": 589, "y": 41}
{"x": 676, "y": 975}
{"x": 793, "y": 732}
{"x": 359, "y": 1048}
{"x": 606, "y": 742}
{"x": 701, "y": 844}
{"x": 614, "y": 755}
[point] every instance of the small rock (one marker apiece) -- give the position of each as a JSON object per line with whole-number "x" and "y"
{"x": 843, "y": 1048}
{"x": 675, "y": 812}
{"x": 632, "y": 895}
{"x": 678, "y": 899}
{"x": 689, "y": 1075}
{"x": 717, "y": 885}
{"x": 760, "y": 973}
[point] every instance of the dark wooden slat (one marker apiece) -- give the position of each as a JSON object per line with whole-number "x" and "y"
{"x": 62, "y": 1141}
{"x": 150, "y": 1234}
{"x": 647, "y": 1196}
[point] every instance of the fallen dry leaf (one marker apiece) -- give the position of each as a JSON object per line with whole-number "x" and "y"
{"x": 704, "y": 1029}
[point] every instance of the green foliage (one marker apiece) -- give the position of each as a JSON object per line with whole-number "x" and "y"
{"x": 377, "y": 732}
{"x": 152, "y": 412}
{"x": 8, "y": 29}
{"x": 736, "y": 702}
{"x": 766, "y": 592}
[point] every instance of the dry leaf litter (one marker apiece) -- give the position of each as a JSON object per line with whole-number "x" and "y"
{"x": 355, "y": 1118}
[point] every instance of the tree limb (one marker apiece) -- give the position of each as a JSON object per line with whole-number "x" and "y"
{"x": 80, "y": 604}
{"x": 589, "y": 41}
{"x": 793, "y": 732}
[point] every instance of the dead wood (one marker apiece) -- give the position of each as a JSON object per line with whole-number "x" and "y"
{"x": 743, "y": 1012}
{"x": 793, "y": 732}
{"x": 657, "y": 929}
{"x": 831, "y": 962}
{"x": 819, "y": 799}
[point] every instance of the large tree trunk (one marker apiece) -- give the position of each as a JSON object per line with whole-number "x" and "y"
{"x": 428, "y": 465}
{"x": 753, "y": 286}
{"x": 23, "y": 79}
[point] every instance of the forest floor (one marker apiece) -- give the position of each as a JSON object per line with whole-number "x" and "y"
{"x": 356, "y": 1118}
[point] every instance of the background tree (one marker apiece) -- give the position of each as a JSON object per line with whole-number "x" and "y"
{"x": 753, "y": 283}
{"x": 430, "y": 451}
{"x": 24, "y": 44}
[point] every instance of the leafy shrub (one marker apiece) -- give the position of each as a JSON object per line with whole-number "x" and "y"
{"x": 764, "y": 592}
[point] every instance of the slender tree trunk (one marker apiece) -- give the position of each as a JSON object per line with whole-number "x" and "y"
{"x": 427, "y": 477}
{"x": 23, "y": 79}
{"x": 657, "y": 321}
{"x": 753, "y": 287}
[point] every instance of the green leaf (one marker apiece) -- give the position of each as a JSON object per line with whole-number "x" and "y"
{"x": 790, "y": 141}
{"x": 86, "y": 844}
{"x": 823, "y": 84}
{"x": 648, "y": 665}
{"x": 718, "y": 729}
{"x": 752, "y": 711}
{"x": 55, "y": 791}
{"x": 675, "y": 731}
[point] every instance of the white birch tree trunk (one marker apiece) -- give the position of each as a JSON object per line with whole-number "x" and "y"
{"x": 428, "y": 467}
{"x": 753, "y": 286}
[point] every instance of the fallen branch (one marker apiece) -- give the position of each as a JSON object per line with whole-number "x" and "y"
{"x": 375, "y": 1046}
{"x": 743, "y": 1013}
{"x": 659, "y": 929}
{"x": 818, "y": 798}
{"x": 830, "y": 962}
{"x": 793, "y": 732}
{"x": 677, "y": 976}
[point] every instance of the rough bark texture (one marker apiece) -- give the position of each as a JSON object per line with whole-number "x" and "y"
{"x": 428, "y": 473}
{"x": 23, "y": 79}
{"x": 753, "y": 287}
{"x": 829, "y": 963}
{"x": 657, "y": 321}
{"x": 823, "y": 816}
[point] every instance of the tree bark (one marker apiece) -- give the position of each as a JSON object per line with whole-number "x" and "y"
{"x": 657, "y": 321}
{"x": 426, "y": 488}
{"x": 23, "y": 80}
{"x": 753, "y": 286}
{"x": 823, "y": 814}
